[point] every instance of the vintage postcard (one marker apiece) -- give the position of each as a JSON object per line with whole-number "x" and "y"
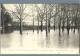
{"x": 40, "y": 28}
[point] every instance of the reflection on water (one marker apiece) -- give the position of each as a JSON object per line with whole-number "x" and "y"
{"x": 5, "y": 40}
{"x": 30, "y": 40}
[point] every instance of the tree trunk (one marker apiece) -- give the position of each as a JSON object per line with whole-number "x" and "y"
{"x": 78, "y": 27}
{"x": 38, "y": 26}
{"x": 54, "y": 24}
{"x": 59, "y": 30}
{"x": 54, "y": 27}
{"x": 41, "y": 25}
{"x": 3, "y": 27}
{"x": 20, "y": 27}
{"x": 48, "y": 25}
{"x": 33, "y": 24}
{"x": 68, "y": 26}
{"x": 63, "y": 26}
{"x": 2, "y": 19}
{"x": 59, "y": 26}
{"x": 75, "y": 26}
{"x": 74, "y": 29}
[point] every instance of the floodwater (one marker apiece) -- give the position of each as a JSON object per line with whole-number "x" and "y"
{"x": 38, "y": 43}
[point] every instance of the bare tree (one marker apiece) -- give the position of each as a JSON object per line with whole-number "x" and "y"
{"x": 46, "y": 16}
{"x": 33, "y": 15}
{"x": 20, "y": 14}
{"x": 40, "y": 17}
{"x": 50, "y": 11}
{"x": 37, "y": 9}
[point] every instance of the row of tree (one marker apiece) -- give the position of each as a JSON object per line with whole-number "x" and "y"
{"x": 58, "y": 16}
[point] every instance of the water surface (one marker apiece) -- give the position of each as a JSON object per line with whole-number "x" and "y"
{"x": 33, "y": 42}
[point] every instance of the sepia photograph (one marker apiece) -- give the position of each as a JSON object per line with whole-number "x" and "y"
{"x": 40, "y": 28}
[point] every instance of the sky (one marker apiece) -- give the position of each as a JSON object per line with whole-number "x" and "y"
{"x": 28, "y": 11}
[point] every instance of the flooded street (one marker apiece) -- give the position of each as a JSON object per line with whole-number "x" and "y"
{"x": 35, "y": 43}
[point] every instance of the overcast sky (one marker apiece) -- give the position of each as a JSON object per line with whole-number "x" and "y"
{"x": 29, "y": 10}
